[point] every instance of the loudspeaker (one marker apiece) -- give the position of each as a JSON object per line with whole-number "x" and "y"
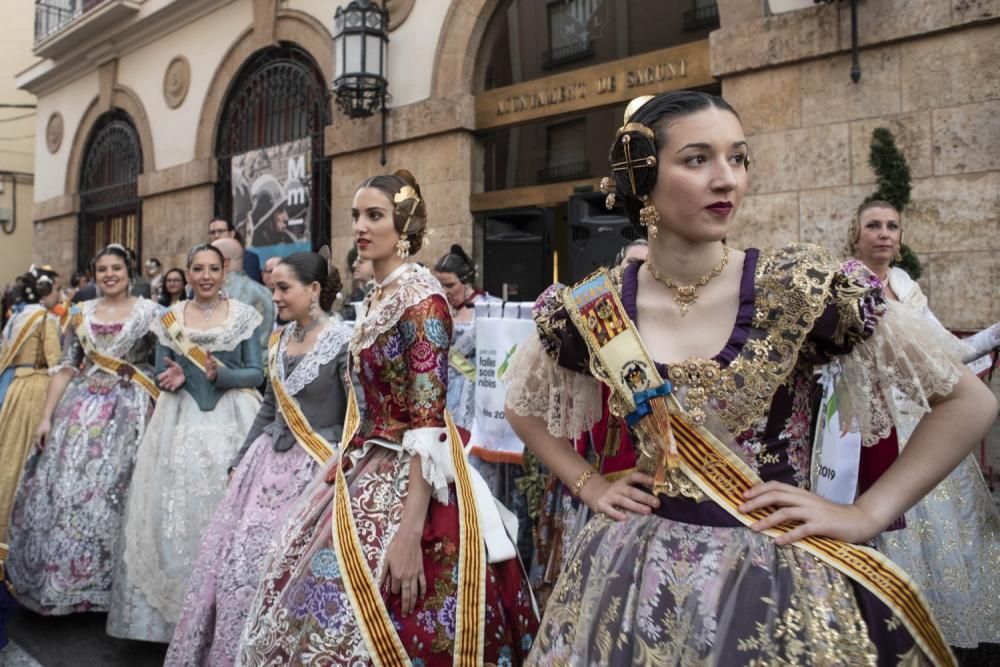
{"x": 517, "y": 252}
{"x": 596, "y": 234}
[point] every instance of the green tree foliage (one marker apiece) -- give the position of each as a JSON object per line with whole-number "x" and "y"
{"x": 894, "y": 186}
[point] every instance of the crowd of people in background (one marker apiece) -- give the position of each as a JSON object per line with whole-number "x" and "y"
{"x": 177, "y": 442}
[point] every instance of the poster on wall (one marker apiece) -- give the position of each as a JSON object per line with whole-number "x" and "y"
{"x": 271, "y": 198}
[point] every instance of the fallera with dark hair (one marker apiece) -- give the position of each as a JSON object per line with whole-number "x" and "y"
{"x": 409, "y": 216}
{"x": 119, "y": 251}
{"x": 635, "y": 151}
{"x": 309, "y": 268}
{"x": 457, "y": 261}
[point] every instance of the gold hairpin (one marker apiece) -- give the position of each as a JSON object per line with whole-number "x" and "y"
{"x": 634, "y": 106}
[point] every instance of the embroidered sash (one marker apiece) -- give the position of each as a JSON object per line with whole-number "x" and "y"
{"x": 373, "y": 618}
{"x": 193, "y": 352}
{"x": 311, "y": 441}
{"x": 111, "y": 365}
{"x": 22, "y": 337}
{"x": 462, "y": 365}
{"x": 621, "y": 361}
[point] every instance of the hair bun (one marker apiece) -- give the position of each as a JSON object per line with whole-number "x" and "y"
{"x": 409, "y": 179}
{"x": 633, "y": 160}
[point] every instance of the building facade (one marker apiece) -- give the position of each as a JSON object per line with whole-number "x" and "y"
{"x": 155, "y": 115}
{"x": 17, "y": 144}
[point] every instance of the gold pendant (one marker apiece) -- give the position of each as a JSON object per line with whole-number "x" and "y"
{"x": 686, "y": 297}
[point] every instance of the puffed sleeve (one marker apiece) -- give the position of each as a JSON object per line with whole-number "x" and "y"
{"x": 548, "y": 376}
{"x": 893, "y": 362}
{"x": 427, "y": 328}
{"x": 72, "y": 354}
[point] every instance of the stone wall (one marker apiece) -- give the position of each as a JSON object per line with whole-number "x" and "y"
{"x": 929, "y": 74}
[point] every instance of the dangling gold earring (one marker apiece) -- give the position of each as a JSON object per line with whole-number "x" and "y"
{"x": 403, "y": 247}
{"x": 649, "y": 217}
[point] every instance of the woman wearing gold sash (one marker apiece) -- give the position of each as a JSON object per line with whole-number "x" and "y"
{"x": 29, "y": 347}
{"x": 399, "y": 591}
{"x": 687, "y": 576}
{"x": 68, "y": 509}
{"x": 208, "y": 365}
{"x": 272, "y": 469}
{"x": 951, "y": 542}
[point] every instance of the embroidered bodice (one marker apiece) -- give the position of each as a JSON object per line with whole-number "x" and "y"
{"x": 400, "y": 349}
{"x": 131, "y": 340}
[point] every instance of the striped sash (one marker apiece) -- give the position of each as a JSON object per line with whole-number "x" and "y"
{"x": 111, "y": 365}
{"x": 10, "y": 352}
{"x": 624, "y": 364}
{"x": 314, "y": 444}
{"x": 376, "y": 625}
{"x": 193, "y": 352}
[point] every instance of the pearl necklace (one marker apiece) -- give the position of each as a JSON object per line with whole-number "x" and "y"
{"x": 687, "y": 295}
{"x": 209, "y": 310}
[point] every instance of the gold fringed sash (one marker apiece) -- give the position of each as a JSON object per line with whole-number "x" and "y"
{"x": 311, "y": 441}
{"x": 192, "y": 351}
{"x": 374, "y": 621}
{"x": 112, "y": 365}
{"x": 619, "y": 360}
{"x": 22, "y": 337}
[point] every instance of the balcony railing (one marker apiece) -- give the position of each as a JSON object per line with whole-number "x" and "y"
{"x": 702, "y": 17}
{"x": 564, "y": 172}
{"x": 53, "y": 16}
{"x": 567, "y": 53}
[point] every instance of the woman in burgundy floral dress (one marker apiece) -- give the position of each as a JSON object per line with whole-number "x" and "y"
{"x": 399, "y": 476}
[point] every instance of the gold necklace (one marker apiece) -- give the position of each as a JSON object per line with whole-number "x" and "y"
{"x": 687, "y": 295}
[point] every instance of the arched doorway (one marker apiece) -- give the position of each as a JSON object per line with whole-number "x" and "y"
{"x": 110, "y": 208}
{"x": 273, "y": 178}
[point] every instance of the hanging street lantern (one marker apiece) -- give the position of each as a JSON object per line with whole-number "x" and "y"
{"x": 361, "y": 45}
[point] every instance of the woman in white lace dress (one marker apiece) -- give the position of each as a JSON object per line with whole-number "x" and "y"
{"x": 951, "y": 542}
{"x": 205, "y": 410}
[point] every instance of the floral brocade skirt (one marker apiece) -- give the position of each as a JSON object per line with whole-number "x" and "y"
{"x": 656, "y": 591}
{"x": 68, "y": 512}
{"x": 302, "y": 614}
{"x": 233, "y": 553}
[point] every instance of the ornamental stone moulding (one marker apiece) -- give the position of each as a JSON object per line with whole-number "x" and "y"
{"x": 54, "y": 132}
{"x": 176, "y": 81}
{"x": 398, "y": 11}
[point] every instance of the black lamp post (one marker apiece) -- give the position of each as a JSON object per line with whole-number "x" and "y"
{"x": 361, "y": 44}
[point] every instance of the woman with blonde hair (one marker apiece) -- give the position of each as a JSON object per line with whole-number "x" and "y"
{"x": 951, "y": 540}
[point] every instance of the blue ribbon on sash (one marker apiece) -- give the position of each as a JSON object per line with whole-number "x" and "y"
{"x": 642, "y": 399}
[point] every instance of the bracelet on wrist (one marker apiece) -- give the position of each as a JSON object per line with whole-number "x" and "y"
{"x": 581, "y": 481}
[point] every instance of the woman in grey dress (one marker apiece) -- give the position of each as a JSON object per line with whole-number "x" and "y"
{"x": 271, "y": 469}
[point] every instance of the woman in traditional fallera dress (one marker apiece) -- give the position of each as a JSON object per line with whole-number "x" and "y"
{"x": 272, "y": 469}
{"x": 68, "y": 510}
{"x": 687, "y": 575}
{"x": 404, "y": 566}
{"x": 951, "y": 541}
{"x": 29, "y": 347}
{"x": 208, "y": 363}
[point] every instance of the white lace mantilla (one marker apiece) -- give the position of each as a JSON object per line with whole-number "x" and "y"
{"x": 415, "y": 285}
{"x": 137, "y": 325}
{"x": 330, "y": 341}
{"x": 240, "y": 324}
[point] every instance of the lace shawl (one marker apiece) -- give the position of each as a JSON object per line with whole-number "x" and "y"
{"x": 415, "y": 285}
{"x": 240, "y": 324}
{"x": 329, "y": 343}
{"x": 138, "y": 324}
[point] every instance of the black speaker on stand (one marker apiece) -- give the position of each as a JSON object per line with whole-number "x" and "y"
{"x": 517, "y": 253}
{"x": 596, "y": 234}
